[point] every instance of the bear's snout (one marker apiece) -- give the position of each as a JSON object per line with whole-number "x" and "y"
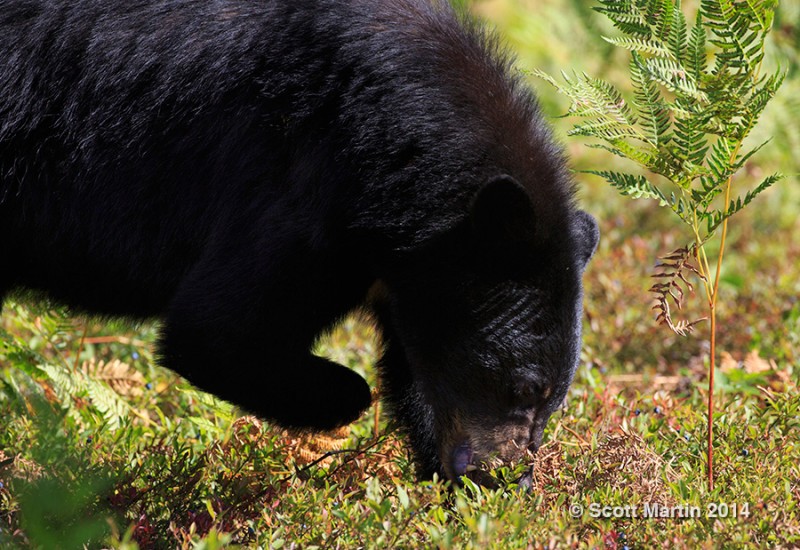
{"x": 474, "y": 454}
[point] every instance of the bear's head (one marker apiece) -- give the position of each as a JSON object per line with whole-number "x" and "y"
{"x": 483, "y": 331}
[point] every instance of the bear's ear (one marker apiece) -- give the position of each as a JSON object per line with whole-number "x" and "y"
{"x": 502, "y": 214}
{"x": 587, "y": 235}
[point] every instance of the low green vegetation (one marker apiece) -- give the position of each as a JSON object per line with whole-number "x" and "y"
{"x": 101, "y": 448}
{"x": 160, "y": 465}
{"x": 171, "y": 467}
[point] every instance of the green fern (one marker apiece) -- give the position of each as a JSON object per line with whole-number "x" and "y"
{"x": 676, "y": 40}
{"x": 697, "y": 94}
{"x": 717, "y": 217}
{"x": 634, "y": 186}
{"x": 696, "y": 59}
{"x": 635, "y": 44}
{"x": 626, "y": 17}
{"x": 69, "y": 384}
{"x": 654, "y": 113}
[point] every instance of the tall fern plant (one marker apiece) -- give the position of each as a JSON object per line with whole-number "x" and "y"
{"x": 698, "y": 91}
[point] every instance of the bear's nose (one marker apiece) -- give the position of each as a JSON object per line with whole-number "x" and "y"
{"x": 537, "y": 431}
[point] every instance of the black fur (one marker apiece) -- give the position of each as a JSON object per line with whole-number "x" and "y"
{"x": 246, "y": 170}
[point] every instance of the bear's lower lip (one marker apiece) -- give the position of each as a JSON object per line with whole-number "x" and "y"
{"x": 461, "y": 459}
{"x": 463, "y": 465}
{"x": 525, "y": 481}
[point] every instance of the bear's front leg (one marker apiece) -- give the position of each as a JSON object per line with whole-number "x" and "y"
{"x": 406, "y": 402}
{"x": 242, "y": 324}
{"x": 297, "y": 390}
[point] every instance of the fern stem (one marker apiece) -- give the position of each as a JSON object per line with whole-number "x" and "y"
{"x": 77, "y": 361}
{"x": 712, "y": 366}
{"x": 713, "y": 307}
{"x": 713, "y": 348}
{"x": 713, "y": 312}
{"x": 706, "y": 271}
{"x": 713, "y": 303}
{"x": 702, "y": 258}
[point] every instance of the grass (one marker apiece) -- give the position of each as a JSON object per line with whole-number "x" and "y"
{"x": 120, "y": 454}
{"x": 186, "y": 470}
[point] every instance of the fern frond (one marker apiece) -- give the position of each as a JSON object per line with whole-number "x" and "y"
{"x": 622, "y": 16}
{"x": 721, "y": 167}
{"x": 538, "y": 73}
{"x": 691, "y": 143}
{"x": 64, "y": 382}
{"x": 681, "y": 208}
{"x": 696, "y": 55}
{"x": 593, "y": 98}
{"x": 635, "y": 44}
{"x": 119, "y": 376}
{"x": 674, "y": 77}
{"x": 720, "y": 159}
{"x": 113, "y": 409}
{"x": 697, "y": 94}
{"x": 661, "y": 14}
{"x": 735, "y": 205}
{"x": 672, "y": 274}
{"x": 604, "y": 129}
{"x": 605, "y": 95}
{"x": 762, "y": 11}
{"x": 653, "y": 112}
{"x": 676, "y": 39}
{"x": 742, "y": 158}
{"x": 754, "y": 104}
{"x": 710, "y": 188}
{"x": 70, "y": 386}
{"x": 740, "y": 32}
{"x": 645, "y": 156}
{"x": 631, "y": 185}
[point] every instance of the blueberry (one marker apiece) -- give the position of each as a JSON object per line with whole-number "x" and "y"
{"x": 135, "y": 355}
{"x": 89, "y": 439}
{"x": 625, "y": 548}
{"x": 637, "y": 412}
{"x": 657, "y": 410}
{"x": 2, "y": 485}
{"x": 687, "y": 437}
{"x": 745, "y": 452}
{"x": 621, "y": 537}
{"x": 149, "y": 386}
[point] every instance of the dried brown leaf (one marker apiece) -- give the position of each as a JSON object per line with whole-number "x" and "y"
{"x": 118, "y": 375}
{"x": 674, "y": 270}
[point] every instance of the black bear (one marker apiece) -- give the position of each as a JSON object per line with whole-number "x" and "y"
{"x": 247, "y": 170}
